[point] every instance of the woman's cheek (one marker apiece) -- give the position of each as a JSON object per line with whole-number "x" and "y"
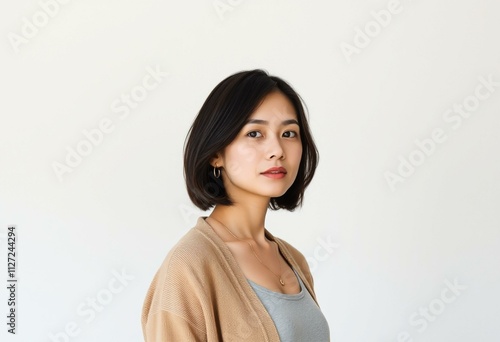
{"x": 234, "y": 168}
{"x": 247, "y": 154}
{"x": 235, "y": 160}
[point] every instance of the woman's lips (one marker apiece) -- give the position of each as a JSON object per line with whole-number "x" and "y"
{"x": 278, "y": 175}
{"x": 276, "y": 172}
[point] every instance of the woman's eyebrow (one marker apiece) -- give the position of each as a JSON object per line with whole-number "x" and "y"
{"x": 264, "y": 122}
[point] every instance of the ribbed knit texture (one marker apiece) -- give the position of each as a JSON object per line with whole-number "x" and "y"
{"x": 200, "y": 293}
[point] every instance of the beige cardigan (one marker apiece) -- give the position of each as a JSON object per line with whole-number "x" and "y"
{"x": 200, "y": 293}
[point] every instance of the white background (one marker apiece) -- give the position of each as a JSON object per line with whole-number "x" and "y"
{"x": 124, "y": 205}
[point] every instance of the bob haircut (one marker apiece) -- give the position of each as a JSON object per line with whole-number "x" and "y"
{"x": 218, "y": 123}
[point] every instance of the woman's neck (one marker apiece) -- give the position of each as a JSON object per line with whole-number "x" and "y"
{"x": 247, "y": 222}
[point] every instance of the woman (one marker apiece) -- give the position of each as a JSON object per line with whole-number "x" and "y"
{"x": 229, "y": 278}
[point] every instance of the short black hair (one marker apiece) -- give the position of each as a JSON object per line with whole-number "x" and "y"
{"x": 218, "y": 123}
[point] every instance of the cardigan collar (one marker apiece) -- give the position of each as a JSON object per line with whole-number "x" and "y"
{"x": 209, "y": 231}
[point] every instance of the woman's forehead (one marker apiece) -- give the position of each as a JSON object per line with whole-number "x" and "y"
{"x": 275, "y": 108}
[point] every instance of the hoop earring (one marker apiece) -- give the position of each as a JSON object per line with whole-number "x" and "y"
{"x": 218, "y": 174}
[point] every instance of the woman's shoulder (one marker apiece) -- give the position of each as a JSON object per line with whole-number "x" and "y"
{"x": 289, "y": 249}
{"x": 183, "y": 274}
{"x": 197, "y": 249}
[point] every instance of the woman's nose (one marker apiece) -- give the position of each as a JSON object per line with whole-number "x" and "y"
{"x": 275, "y": 149}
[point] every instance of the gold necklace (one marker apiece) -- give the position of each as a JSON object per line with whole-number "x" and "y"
{"x": 253, "y": 251}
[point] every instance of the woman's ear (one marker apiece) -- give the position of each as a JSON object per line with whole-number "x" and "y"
{"x": 216, "y": 160}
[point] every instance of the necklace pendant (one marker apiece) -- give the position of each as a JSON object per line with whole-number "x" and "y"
{"x": 282, "y": 282}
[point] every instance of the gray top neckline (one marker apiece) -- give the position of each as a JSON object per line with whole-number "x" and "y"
{"x": 293, "y": 296}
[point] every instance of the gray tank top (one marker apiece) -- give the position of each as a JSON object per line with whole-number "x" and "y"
{"x": 297, "y": 316}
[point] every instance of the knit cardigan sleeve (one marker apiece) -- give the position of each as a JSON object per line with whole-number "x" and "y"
{"x": 199, "y": 293}
{"x": 172, "y": 309}
{"x": 166, "y": 326}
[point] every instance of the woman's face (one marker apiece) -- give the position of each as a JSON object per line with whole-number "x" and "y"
{"x": 272, "y": 141}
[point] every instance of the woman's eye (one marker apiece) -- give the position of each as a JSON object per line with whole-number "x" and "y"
{"x": 252, "y": 135}
{"x": 288, "y": 134}
{"x": 293, "y": 132}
